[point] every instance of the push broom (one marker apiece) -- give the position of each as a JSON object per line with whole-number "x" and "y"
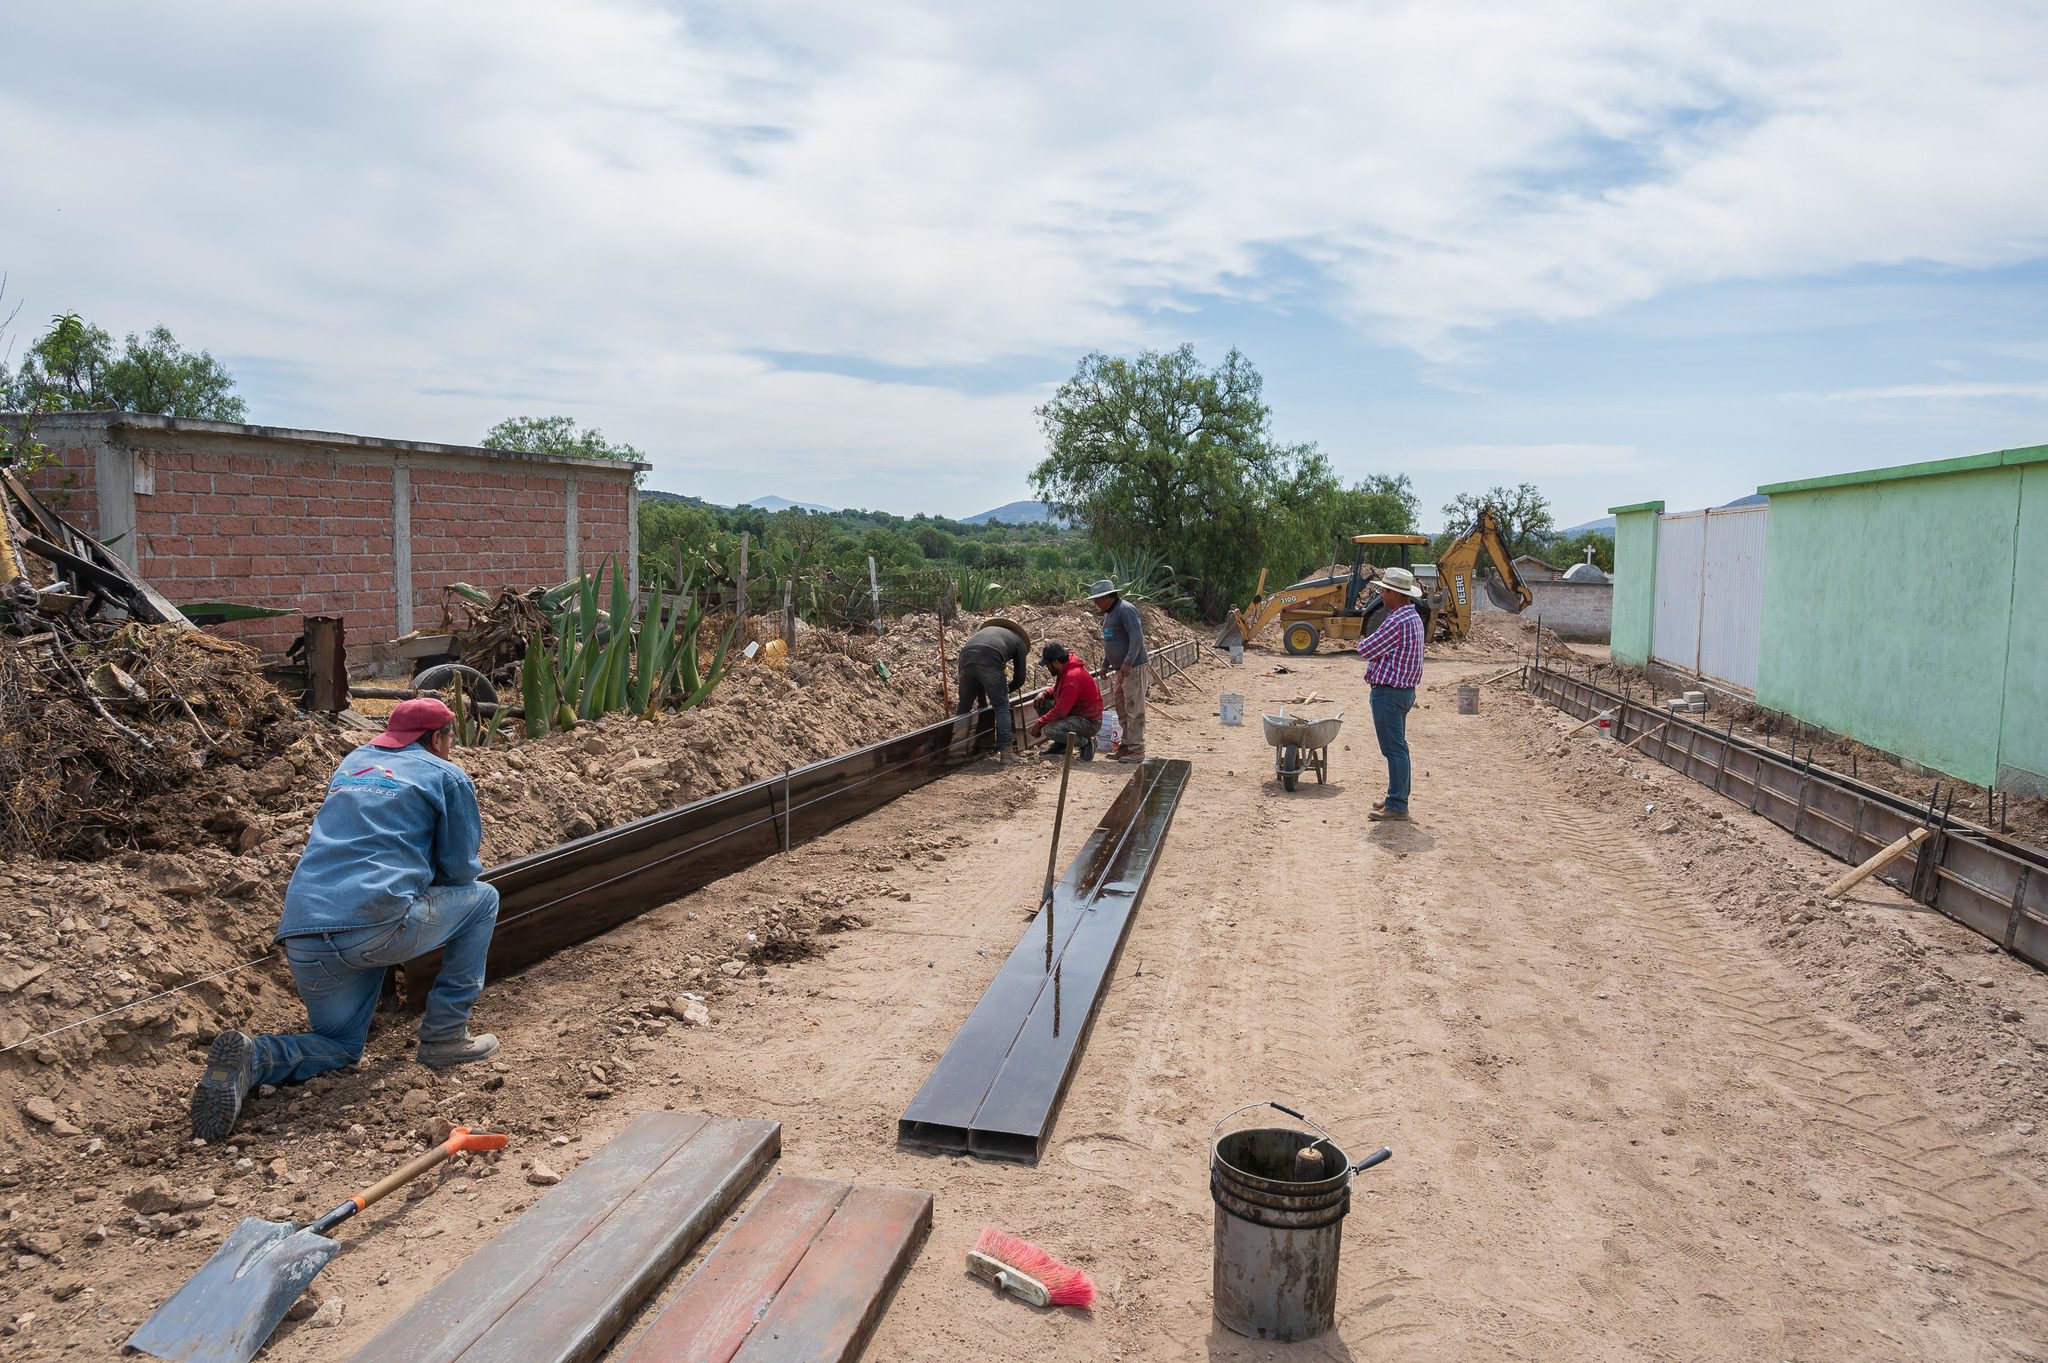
{"x": 1024, "y": 1270}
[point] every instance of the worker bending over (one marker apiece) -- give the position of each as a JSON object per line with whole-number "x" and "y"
{"x": 1075, "y": 715}
{"x": 983, "y": 657}
{"x": 1394, "y": 670}
{"x": 1125, "y": 658}
{"x": 389, "y": 874}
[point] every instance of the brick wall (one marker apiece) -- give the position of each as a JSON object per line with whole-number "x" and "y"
{"x": 315, "y": 522}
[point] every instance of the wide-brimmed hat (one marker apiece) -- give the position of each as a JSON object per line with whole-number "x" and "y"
{"x": 1004, "y": 622}
{"x": 412, "y": 721}
{"x": 1103, "y": 587}
{"x": 1400, "y": 580}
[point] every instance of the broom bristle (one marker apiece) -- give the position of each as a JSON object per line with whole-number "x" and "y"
{"x": 1065, "y": 1284}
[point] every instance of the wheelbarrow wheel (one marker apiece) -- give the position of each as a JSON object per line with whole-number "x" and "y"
{"x": 1290, "y": 767}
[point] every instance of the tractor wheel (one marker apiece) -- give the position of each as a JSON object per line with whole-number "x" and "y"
{"x": 1301, "y": 637}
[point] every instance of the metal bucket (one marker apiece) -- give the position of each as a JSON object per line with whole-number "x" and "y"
{"x": 1230, "y": 706}
{"x": 1277, "y": 1239}
{"x": 1468, "y": 700}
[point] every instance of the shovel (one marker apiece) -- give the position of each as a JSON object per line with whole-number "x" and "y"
{"x": 225, "y": 1311}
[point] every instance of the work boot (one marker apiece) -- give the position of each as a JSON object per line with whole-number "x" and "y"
{"x": 1087, "y": 753}
{"x": 439, "y": 1055}
{"x": 1057, "y": 749}
{"x": 1123, "y": 754}
{"x": 1384, "y": 815}
{"x": 217, "y": 1097}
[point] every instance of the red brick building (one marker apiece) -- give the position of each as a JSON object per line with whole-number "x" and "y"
{"x": 326, "y": 524}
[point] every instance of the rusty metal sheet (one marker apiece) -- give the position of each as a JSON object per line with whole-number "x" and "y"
{"x": 1991, "y": 884}
{"x": 997, "y": 1089}
{"x": 557, "y": 1284}
{"x": 803, "y": 1278}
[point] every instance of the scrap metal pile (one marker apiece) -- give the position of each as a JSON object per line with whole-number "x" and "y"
{"x": 108, "y": 693}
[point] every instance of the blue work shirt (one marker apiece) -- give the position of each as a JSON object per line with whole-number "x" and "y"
{"x": 1123, "y": 637}
{"x": 394, "y": 822}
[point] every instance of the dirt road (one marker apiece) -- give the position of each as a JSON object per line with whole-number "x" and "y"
{"x": 1649, "y": 1099}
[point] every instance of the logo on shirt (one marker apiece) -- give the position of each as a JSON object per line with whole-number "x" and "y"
{"x": 366, "y": 778}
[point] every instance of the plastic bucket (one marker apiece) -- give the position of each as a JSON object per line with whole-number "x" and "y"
{"x": 1230, "y": 705}
{"x": 1275, "y": 1274}
{"x": 1468, "y": 700}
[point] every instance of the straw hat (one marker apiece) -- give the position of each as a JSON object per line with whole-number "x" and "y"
{"x": 1103, "y": 587}
{"x": 1400, "y": 580}
{"x": 1004, "y": 622}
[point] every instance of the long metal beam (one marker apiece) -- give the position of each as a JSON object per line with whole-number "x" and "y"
{"x": 997, "y": 1089}
{"x": 1993, "y": 885}
{"x": 578, "y": 890}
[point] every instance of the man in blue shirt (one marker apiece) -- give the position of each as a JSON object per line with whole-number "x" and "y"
{"x": 389, "y": 873}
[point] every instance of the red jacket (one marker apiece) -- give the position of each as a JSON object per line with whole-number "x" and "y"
{"x": 1075, "y": 693}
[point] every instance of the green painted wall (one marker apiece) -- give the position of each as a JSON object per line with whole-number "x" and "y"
{"x": 1888, "y": 609}
{"x": 1635, "y": 580}
{"x": 2023, "y": 741}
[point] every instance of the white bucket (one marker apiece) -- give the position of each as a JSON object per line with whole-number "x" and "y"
{"x": 1230, "y": 705}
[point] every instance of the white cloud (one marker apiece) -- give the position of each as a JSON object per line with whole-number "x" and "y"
{"x": 605, "y": 207}
{"x": 1924, "y": 392}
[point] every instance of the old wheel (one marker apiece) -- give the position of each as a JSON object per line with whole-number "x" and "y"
{"x": 1290, "y": 767}
{"x": 1301, "y": 637}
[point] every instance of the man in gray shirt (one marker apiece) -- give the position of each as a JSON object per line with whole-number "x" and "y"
{"x": 1125, "y": 658}
{"x": 982, "y": 659}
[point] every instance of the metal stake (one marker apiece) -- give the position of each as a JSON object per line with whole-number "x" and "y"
{"x": 1052, "y": 853}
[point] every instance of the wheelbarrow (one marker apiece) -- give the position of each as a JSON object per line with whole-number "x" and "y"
{"x": 1301, "y": 745}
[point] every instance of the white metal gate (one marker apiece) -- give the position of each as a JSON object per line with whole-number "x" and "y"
{"x": 1708, "y": 612}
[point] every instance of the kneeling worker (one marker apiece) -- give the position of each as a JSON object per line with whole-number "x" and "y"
{"x": 389, "y": 873}
{"x": 1076, "y": 713}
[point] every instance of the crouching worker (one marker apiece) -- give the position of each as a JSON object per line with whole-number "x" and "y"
{"x": 1075, "y": 716}
{"x": 389, "y": 873}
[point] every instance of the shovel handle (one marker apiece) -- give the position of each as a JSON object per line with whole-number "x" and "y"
{"x": 460, "y": 1140}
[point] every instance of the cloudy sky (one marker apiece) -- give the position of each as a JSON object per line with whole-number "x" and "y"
{"x": 839, "y": 252}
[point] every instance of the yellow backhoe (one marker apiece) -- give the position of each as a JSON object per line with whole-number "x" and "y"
{"x": 1346, "y": 606}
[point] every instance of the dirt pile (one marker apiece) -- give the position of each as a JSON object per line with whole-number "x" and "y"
{"x": 99, "y": 732}
{"x": 1496, "y": 634}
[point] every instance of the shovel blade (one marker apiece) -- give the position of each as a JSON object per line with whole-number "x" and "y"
{"x": 225, "y": 1311}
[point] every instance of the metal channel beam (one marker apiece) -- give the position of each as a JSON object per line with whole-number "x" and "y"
{"x": 1995, "y": 886}
{"x": 581, "y": 889}
{"x": 997, "y": 1090}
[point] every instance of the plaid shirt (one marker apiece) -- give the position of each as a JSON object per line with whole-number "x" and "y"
{"x": 1395, "y": 649}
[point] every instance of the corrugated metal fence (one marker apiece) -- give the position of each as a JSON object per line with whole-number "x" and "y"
{"x": 1708, "y": 613}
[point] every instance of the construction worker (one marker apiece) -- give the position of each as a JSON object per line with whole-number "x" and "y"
{"x": 988, "y": 650}
{"x": 1075, "y": 714}
{"x": 1124, "y": 655}
{"x": 389, "y": 873}
{"x": 1394, "y": 670}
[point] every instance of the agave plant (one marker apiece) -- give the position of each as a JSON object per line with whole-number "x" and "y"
{"x": 589, "y": 668}
{"x": 1147, "y": 576}
{"x": 979, "y": 593}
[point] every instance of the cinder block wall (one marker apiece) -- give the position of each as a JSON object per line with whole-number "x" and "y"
{"x": 1574, "y": 610}
{"x": 329, "y": 524}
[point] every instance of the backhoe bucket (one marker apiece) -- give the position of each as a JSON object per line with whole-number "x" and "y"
{"x": 1232, "y": 633}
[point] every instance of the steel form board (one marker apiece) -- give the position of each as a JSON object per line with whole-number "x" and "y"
{"x": 803, "y": 1278}
{"x": 557, "y": 1284}
{"x": 997, "y": 1090}
{"x": 1992, "y": 885}
{"x": 581, "y": 889}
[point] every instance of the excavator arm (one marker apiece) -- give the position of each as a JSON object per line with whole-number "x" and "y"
{"x": 1243, "y": 626}
{"x": 1457, "y": 576}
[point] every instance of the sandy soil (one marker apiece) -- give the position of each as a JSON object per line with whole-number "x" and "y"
{"x": 1650, "y": 1099}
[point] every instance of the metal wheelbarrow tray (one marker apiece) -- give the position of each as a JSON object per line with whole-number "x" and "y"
{"x": 1301, "y": 745}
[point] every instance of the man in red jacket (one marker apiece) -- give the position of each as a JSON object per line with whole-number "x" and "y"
{"x": 1076, "y": 712}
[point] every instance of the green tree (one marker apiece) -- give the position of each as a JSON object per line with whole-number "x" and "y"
{"x": 1565, "y": 552}
{"x": 74, "y": 367}
{"x": 1522, "y": 512}
{"x": 1158, "y": 455}
{"x": 558, "y": 435}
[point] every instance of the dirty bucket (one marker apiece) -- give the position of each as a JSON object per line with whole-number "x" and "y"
{"x": 1468, "y": 700}
{"x": 1277, "y": 1235}
{"x": 1230, "y": 705}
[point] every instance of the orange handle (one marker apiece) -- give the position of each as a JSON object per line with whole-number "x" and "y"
{"x": 459, "y": 1140}
{"x": 462, "y": 1139}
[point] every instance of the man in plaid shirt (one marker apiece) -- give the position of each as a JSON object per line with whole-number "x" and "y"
{"x": 1394, "y": 651}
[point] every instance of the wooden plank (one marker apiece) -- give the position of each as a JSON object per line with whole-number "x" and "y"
{"x": 556, "y": 1285}
{"x": 1876, "y": 863}
{"x": 997, "y": 1089}
{"x": 803, "y": 1278}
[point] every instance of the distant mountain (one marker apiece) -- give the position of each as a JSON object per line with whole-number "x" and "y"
{"x": 655, "y": 494}
{"x": 1013, "y": 513}
{"x": 1603, "y": 526}
{"x": 1753, "y": 499}
{"x": 784, "y": 504}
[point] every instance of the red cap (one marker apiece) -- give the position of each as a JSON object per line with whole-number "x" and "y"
{"x": 412, "y": 721}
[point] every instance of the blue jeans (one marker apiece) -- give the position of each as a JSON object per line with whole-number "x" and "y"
{"x": 339, "y": 975}
{"x": 982, "y": 682}
{"x": 1390, "y": 707}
